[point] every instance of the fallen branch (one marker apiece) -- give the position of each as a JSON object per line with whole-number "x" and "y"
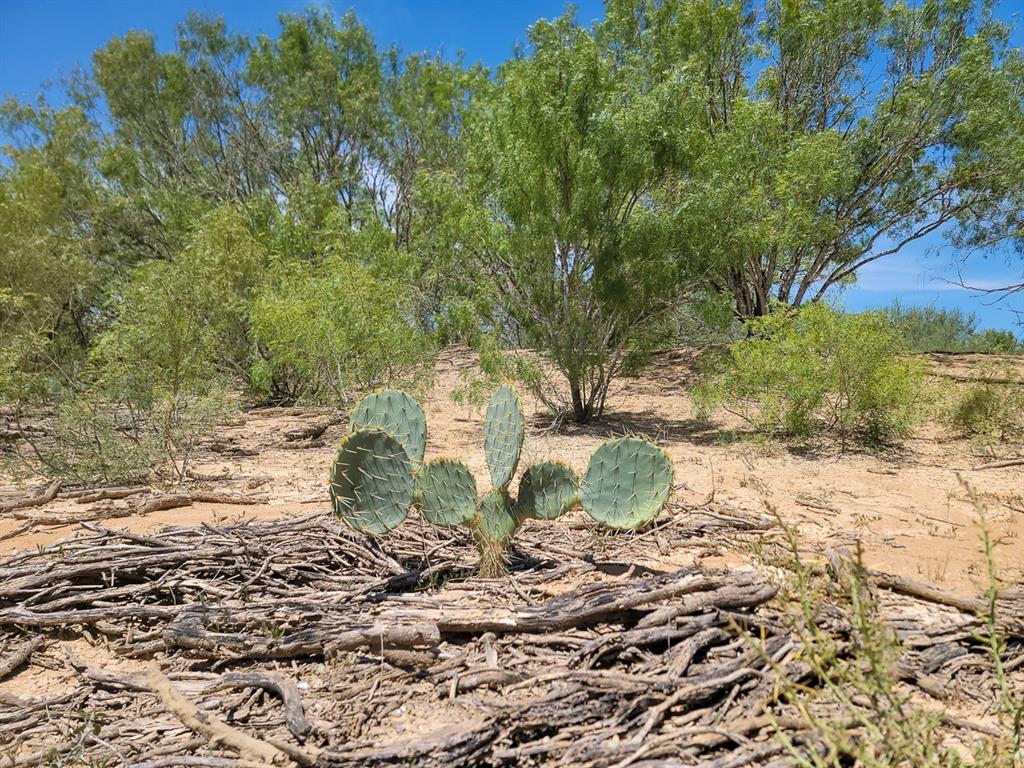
{"x": 219, "y": 733}
{"x": 1006, "y": 619}
{"x": 203, "y": 497}
{"x": 36, "y": 500}
{"x": 188, "y": 631}
{"x": 303, "y": 445}
{"x": 286, "y": 690}
{"x": 160, "y": 503}
{"x": 999, "y": 464}
{"x": 110, "y": 493}
{"x": 20, "y": 655}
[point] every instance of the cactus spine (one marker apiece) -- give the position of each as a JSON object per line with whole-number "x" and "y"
{"x": 547, "y": 491}
{"x": 371, "y": 482}
{"x": 379, "y": 473}
{"x": 446, "y": 493}
{"x": 504, "y": 428}
{"x": 627, "y": 483}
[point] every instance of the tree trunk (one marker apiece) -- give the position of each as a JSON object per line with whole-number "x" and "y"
{"x": 581, "y": 411}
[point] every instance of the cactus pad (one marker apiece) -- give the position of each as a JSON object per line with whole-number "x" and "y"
{"x": 496, "y": 518}
{"x": 446, "y": 492}
{"x": 398, "y": 414}
{"x": 627, "y": 483}
{"x": 547, "y": 490}
{"x": 371, "y": 482}
{"x": 503, "y": 436}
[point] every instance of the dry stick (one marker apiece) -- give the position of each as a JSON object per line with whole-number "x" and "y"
{"x": 204, "y": 497}
{"x": 999, "y": 464}
{"x": 219, "y": 733}
{"x": 821, "y": 506}
{"x": 972, "y": 605}
{"x": 37, "y": 500}
{"x": 14, "y": 532}
{"x": 303, "y": 445}
{"x": 158, "y": 503}
{"x": 20, "y": 655}
{"x": 288, "y": 691}
{"x": 110, "y": 493}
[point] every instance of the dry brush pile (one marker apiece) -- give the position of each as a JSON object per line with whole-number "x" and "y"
{"x": 305, "y": 643}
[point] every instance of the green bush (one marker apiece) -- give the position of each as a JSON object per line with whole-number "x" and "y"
{"x": 817, "y": 371}
{"x": 95, "y": 440}
{"x": 996, "y": 342}
{"x": 324, "y": 331}
{"x": 930, "y": 329}
{"x": 156, "y": 377}
{"x": 988, "y": 409}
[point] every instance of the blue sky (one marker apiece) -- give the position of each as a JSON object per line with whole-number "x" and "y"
{"x": 43, "y": 40}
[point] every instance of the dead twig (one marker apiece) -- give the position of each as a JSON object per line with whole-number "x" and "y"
{"x": 32, "y": 500}
{"x": 218, "y": 733}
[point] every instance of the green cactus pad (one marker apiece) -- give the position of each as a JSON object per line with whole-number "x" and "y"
{"x": 398, "y": 414}
{"x": 503, "y": 436}
{"x": 547, "y": 490}
{"x": 446, "y": 492}
{"x": 371, "y": 482}
{"x": 627, "y": 483}
{"x": 496, "y": 518}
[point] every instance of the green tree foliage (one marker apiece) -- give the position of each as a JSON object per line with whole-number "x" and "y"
{"x": 833, "y": 132}
{"x": 930, "y": 329}
{"x": 51, "y": 260}
{"x": 816, "y": 370}
{"x": 323, "y": 331}
{"x": 565, "y": 155}
{"x": 157, "y": 374}
{"x": 308, "y": 212}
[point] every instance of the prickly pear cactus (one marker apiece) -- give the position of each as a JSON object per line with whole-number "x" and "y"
{"x": 371, "y": 482}
{"x": 547, "y": 490}
{"x": 398, "y": 414}
{"x": 503, "y": 436}
{"x": 494, "y": 524}
{"x": 446, "y": 492}
{"x": 627, "y": 483}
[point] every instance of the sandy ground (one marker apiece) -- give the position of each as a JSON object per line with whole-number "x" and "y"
{"x": 908, "y": 510}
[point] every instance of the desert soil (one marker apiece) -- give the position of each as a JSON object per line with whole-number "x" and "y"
{"x": 909, "y": 510}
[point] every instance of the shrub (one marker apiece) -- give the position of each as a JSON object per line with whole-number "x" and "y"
{"x": 322, "y": 331}
{"x": 996, "y": 342}
{"x": 817, "y": 370}
{"x": 95, "y": 440}
{"x": 857, "y": 712}
{"x": 155, "y": 381}
{"x": 930, "y": 329}
{"x": 988, "y": 408}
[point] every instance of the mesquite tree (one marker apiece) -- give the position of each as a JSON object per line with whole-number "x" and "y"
{"x": 834, "y": 132}
{"x": 566, "y": 156}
